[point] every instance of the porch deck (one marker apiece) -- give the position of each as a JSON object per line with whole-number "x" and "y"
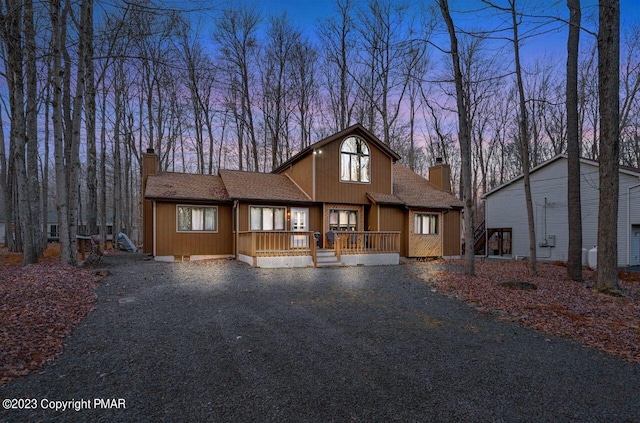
{"x": 299, "y": 249}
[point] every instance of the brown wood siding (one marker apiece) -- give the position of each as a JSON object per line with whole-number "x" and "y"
{"x": 170, "y": 242}
{"x": 440, "y": 177}
{"x": 424, "y": 245}
{"x": 315, "y": 218}
{"x": 371, "y": 220}
{"x": 329, "y": 188}
{"x": 147, "y": 227}
{"x": 149, "y": 167}
{"x": 451, "y": 233}
{"x": 243, "y": 217}
{"x": 394, "y": 219}
{"x": 302, "y": 173}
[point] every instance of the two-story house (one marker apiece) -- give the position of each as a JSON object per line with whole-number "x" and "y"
{"x": 343, "y": 200}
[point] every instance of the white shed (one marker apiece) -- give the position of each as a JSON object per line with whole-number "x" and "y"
{"x": 507, "y": 232}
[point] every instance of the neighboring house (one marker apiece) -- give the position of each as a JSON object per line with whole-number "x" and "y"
{"x": 53, "y": 228}
{"x": 506, "y": 217}
{"x": 346, "y": 194}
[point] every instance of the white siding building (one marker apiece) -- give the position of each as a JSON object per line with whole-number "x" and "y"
{"x": 506, "y": 213}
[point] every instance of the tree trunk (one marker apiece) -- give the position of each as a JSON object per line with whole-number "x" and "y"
{"x": 90, "y": 116}
{"x": 73, "y": 165}
{"x": 103, "y": 170}
{"x": 31, "y": 121}
{"x": 58, "y": 133}
{"x": 574, "y": 205}
{"x": 5, "y": 193}
{"x": 524, "y": 143}
{"x": 45, "y": 165}
{"x": 12, "y": 32}
{"x": 609, "y": 144}
{"x": 464, "y": 138}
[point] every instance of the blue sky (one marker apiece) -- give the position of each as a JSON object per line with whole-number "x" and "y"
{"x": 467, "y": 14}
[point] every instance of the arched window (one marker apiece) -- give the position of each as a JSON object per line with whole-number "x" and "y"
{"x": 354, "y": 160}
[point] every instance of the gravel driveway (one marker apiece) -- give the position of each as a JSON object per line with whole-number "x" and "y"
{"x": 223, "y": 342}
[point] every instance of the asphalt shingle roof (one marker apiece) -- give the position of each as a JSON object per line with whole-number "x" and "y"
{"x": 261, "y": 186}
{"x": 186, "y": 186}
{"x": 415, "y": 191}
{"x": 382, "y": 198}
{"x": 409, "y": 188}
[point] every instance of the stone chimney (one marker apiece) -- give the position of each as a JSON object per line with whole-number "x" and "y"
{"x": 149, "y": 167}
{"x": 440, "y": 175}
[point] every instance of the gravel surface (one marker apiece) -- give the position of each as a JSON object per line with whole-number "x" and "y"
{"x": 223, "y": 342}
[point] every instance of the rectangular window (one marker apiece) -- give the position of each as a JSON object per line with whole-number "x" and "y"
{"x": 267, "y": 218}
{"x": 426, "y": 224}
{"x": 343, "y": 220}
{"x": 197, "y": 219}
{"x": 53, "y": 231}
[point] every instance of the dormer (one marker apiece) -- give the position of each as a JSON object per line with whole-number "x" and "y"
{"x": 343, "y": 167}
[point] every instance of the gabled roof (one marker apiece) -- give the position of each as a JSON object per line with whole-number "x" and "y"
{"x": 356, "y": 129}
{"x": 622, "y": 169}
{"x": 261, "y": 186}
{"x": 185, "y": 186}
{"x": 415, "y": 191}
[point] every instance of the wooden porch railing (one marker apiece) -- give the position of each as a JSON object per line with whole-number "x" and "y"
{"x": 367, "y": 242}
{"x": 277, "y": 243}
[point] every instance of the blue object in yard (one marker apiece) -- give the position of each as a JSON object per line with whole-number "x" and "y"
{"x": 124, "y": 243}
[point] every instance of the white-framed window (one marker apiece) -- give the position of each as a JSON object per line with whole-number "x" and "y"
{"x": 343, "y": 220}
{"x": 197, "y": 219}
{"x": 267, "y": 218}
{"x": 425, "y": 224}
{"x": 354, "y": 161}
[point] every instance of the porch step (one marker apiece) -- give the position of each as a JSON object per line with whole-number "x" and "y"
{"x": 327, "y": 258}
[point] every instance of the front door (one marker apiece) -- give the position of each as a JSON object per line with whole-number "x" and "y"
{"x": 299, "y": 223}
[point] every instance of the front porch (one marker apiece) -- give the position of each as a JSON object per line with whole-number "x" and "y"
{"x": 299, "y": 249}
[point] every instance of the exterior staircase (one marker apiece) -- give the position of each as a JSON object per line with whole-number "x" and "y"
{"x": 327, "y": 258}
{"x": 480, "y": 235}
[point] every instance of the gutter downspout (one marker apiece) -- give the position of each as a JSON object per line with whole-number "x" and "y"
{"x": 155, "y": 229}
{"x": 236, "y": 216}
{"x": 629, "y": 222}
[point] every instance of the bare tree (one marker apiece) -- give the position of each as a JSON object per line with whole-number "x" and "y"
{"x": 609, "y": 90}
{"x": 90, "y": 118}
{"x": 235, "y": 35}
{"x": 574, "y": 205}
{"x": 62, "y": 197}
{"x": 523, "y": 125}
{"x": 5, "y": 190}
{"x": 464, "y": 138}
{"x": 337, "y": 39}
{"x": 305, "y": 89}
{"x": 385, "y": 52}
{"x": 278, "y": 54}
{"x": 18, "y": 35}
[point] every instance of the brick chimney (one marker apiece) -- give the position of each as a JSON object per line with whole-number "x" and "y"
{"x": 440, "y": 175}
{"x": 149, "y": 167}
